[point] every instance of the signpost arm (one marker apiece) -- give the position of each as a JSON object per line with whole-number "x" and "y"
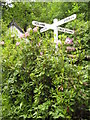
{"x": 65, "y": 30}
{"x": 65, "y": 20}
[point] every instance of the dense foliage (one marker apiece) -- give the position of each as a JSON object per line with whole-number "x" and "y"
{"x": 43, "y": 79}
{"x": 25, "y": 13}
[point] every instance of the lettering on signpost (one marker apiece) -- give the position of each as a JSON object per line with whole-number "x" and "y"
{"x": 39, "y": 24}
{"x": 65, "y": 30}
{"x": 43, "y": 29}
{"x": 55, "y": 25}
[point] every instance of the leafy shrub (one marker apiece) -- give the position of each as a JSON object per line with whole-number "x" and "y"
{"x": 40, "y": 81}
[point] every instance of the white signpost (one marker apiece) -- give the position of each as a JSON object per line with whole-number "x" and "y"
{"x": 55, "y": 25}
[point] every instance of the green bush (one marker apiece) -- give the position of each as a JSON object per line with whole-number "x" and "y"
{"x": 42, "y": 82}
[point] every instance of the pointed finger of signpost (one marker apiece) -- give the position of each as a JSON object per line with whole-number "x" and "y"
{"x": 67, "y": 19}
{"x": 44, "y": 29}
{"x": 39, "y": 24}
{"x": 65, "y": 30}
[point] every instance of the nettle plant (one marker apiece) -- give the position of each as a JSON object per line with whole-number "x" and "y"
{"x": 39, "y": 80}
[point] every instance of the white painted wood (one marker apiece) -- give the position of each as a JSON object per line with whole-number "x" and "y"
{"x": 65, "y": 20}
{"x": 65, "y": 30}
{"x": 55, "y": 30}
{"x": 44, "y": 25}
{"x": 55, "y": 25}
{"x": 44, "y": 29}
{"x": 38, "y": 24}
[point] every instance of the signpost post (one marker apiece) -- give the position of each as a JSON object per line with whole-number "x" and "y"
{"x": 55, "y": 25}
{"x": 55, "y": 30}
